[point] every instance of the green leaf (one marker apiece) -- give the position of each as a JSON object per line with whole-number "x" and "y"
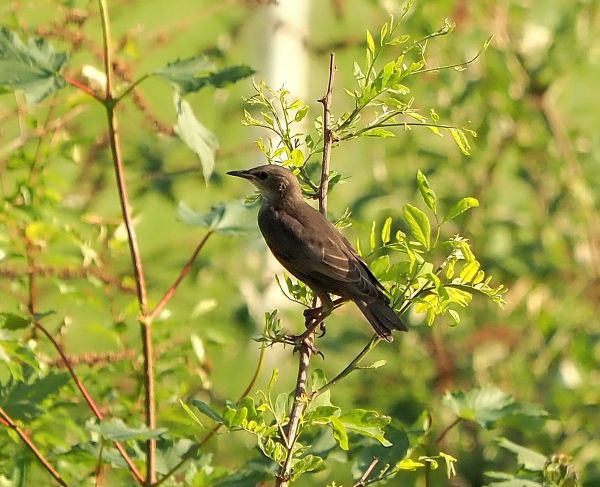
{"x": 207, "y": 410}
{"x": 339, "y": 432}
{"x": 309, "y": 463}
{"x": 196, "y": 136}
{"x": 461, "y": 140}
{"x": 460, "y": 207}
{"x": 225, "y": 218}
{"x": 116, "y": 430}
{"x": 366, "y": 423}
{"x": 370, "y": 42}
{"x": 409, "y": 464}
{"x": 378, "y": 132}
{"x": 11, "y": 321}
{"x": 317, "y": 379}
{"x": 192, "y": 74}
{"x": 33, "y": 67}
{"x": 191, "y": 413}
{"x": 386, "y": 230}
{"x": 24, "y": 400}
{"x": 418, "y": 224}
{"x": 426, "y": 192}
{"x": 486, "y": 405}
{"x": 529, "y": 459}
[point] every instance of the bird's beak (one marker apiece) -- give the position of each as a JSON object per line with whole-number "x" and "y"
{"x": 240, "y": 174}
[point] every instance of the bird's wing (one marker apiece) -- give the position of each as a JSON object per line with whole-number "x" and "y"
{"x": 313, "y": 250}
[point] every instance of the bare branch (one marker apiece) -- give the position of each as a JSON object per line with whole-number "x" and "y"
{"x": 6, "y": 420}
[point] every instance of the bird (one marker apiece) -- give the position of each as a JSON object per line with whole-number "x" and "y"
{"x": 309, "y": 246}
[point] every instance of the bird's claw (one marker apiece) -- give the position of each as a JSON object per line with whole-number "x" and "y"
{"x": 298, "y": 341}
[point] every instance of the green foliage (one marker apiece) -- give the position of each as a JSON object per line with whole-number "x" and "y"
{"x": 527, "y": 200}
{"x": 33, "y": 68}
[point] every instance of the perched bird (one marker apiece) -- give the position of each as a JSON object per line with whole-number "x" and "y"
{"x": 314, "y": 251}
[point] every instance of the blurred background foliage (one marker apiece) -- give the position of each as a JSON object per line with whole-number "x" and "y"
{"x": 534, "y": 167}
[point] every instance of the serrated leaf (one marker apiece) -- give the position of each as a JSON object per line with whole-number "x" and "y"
{"x": 11, "y": 321}
{"x": 460, "y": 207}
{"x": 196, "y": 136}
{"x": 33, "y": 67}
{"x": 23, "y": 400}
{"x": 116, "y": 430}
{"x": 192, "y": 74}
{"x": 487, "y": 404}
{"x": 426, "y": 192}
{"x": 529, "y": 459}
{"x": 419, "y": 224}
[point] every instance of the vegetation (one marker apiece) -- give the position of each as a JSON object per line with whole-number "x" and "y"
{"x": 144, "y": 332}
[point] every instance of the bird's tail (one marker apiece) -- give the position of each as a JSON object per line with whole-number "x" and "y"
{"x": 382, "y": 318}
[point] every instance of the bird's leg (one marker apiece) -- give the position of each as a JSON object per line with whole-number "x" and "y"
{"x": 315, "y": 316}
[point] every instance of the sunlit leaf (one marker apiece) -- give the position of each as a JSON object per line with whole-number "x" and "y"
{"x": 460, "y": 207}
{"x": 196, "y": 136}
{"x": 418, "y": 223}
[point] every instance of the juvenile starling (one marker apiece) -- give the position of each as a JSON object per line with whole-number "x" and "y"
{"x": 314, "y": 251}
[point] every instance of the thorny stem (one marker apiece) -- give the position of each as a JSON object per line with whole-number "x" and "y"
{"x": 145, "y": 324}
{"x": 7, "y": 421}
{"x": 196, "y": 448}
{"x": 327, "y": 138}
{"x": 300, "y": 395}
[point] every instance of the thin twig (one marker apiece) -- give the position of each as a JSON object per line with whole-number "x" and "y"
{"x": 363, "y": 478}
{"x": 184, "y": 272}
{"x": 300, "y": 395}
{"x": 327, "y": 137}
{"x": 82, "y": 87}
{"x": 86, "y": 395}
{"x": 145, "y": 324}
{"x": 9, "y": 422}
{"x": 196, "y": 448}
{"x": 351, "y": 366}
{"x": 447, "y": 430}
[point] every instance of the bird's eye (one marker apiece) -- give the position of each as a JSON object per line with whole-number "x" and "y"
{"x": 262, "y": 175}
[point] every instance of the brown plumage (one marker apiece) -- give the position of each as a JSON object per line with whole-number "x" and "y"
{"x": 314, "y": 251}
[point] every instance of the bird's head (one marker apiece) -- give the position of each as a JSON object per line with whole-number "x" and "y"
{"x": 274, "y": 182}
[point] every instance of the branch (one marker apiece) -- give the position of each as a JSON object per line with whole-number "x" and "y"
{"x": 327, "y": 138}
{"x": 447, "y": 430}
{"x": 363, "y": 478}
{"x": 184, "y": 272}
{"x": 145, "y": 324}
{"x": 86, "y": 395}
{"x": 6, "y": 420}
{"x": 300, "y": 396}
{"x": 38, "y": 326}
{"x": 82, "y": 87}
